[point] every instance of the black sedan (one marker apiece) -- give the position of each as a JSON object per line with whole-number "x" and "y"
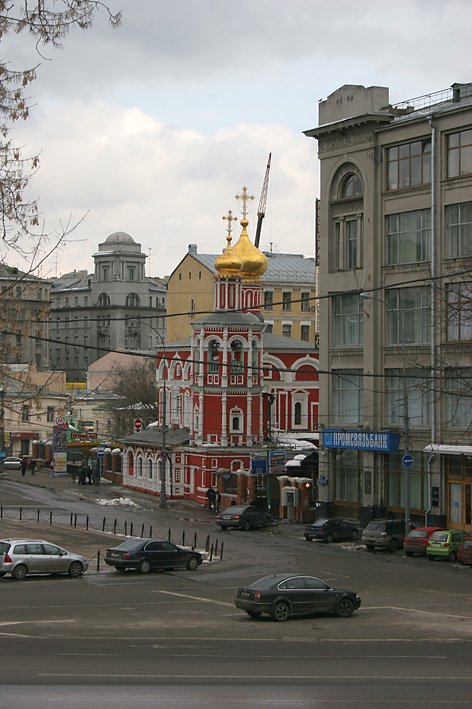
{"x": 331, "y": 530}
{"x": 284, "y": 595}
{"x": 146, "y": 555}
{"x": 246, "y": 517}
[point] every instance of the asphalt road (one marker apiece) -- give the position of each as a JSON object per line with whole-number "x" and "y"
{"x": 176, "y": 640}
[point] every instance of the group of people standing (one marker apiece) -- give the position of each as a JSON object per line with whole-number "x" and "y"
{"x": 24, "y": 466}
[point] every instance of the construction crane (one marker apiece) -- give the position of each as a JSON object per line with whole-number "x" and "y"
{"x": 262, "y": 204}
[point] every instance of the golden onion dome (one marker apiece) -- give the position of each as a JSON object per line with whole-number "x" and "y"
{"x": 254, "y": 262}
{"x": 227, "y": 263}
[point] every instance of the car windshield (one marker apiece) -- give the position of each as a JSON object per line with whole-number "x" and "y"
{"x": 376, "y": 526}
{"x": 467, "y": 543}
{"x": 418, "y": 534}
{"x": 129, "y": 544}
{"x": 265, "y": 582}
{"x": 440, "y": 536}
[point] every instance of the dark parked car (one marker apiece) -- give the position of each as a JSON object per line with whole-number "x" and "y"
{"x": 331, "y": 530}
{"x": 384, "y": 533}
{"x": 145, "y": 555}
{"x": 416, "y": 541}
{"x": 22, "y": 557}
{"x": 464, "y": 553}
{"x": 247, "y": 517}
{"x": 284, "y": 595}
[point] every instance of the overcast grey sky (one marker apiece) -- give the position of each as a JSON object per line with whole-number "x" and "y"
{"x": 154, "y": 127}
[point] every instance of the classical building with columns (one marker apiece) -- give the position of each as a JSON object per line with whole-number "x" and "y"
{"x": 236, "y": 402}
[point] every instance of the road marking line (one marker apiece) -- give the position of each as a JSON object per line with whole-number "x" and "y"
{"x": 414, "y": 610}
{"x": 197, "y": 598}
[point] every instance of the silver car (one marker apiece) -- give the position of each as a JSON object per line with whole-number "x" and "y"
{"x": 12, "y": 463}
{"x": 22, "y": 557}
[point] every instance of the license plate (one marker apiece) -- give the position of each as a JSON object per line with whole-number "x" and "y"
{"x": 244, "y": 594}
{"x": 226, "y": 517}
{"x": 115, "y": 554}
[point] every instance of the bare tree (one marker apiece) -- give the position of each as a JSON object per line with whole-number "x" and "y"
{"x": 49, "y": 22}
{"x": 135, "y": 385}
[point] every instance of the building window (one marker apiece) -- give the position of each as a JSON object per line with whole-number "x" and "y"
{"x": 286, "y": 300}
{"x": 25, "y": 413}
{"x": 269, "y": 328}
{"x": 459, "y": 153}
{"x": 348, "y": 318}
{"x": 132, "y": 300}
{"x": 458, "y": 398}
{"x": 408, "y": 315}
{"x": 409, "y": 165}
{"x": 408, "y": 237}
{"x": 268, "y": 299}
{"x": 459, "y": 312}
{"x": 236, "y": 419}
{"x": 50, "y": 414}
{"x": 412, "y": 385}
{"x": 105, "y": 273}
{"x": 286, "y": 329}
{"x": 236, "y": 357}
{"x": 346, "y": 395}
{"x": 131, "y": 273}
{"x": 213, "y": 357}
{"x": 86, "y": 300}
{"x": 347, "y": 244}
{"x": 305, "y": 333}
{"x": 459, "y": 230}
{"x": 149, "y": 467}
{"x": 351, "y": 186}
{"x": 67, "y": 302}
{"x": 305, "y": 301}
{"x": 103, "y": 300}
{"x": 297, "y": 414}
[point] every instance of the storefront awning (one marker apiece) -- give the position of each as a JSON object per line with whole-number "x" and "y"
{"x": 448, "y": 450}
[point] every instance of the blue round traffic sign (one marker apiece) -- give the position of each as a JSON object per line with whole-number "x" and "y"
{"x": 407, "y": 460}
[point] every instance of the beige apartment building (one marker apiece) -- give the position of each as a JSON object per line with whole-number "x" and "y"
{"x": 289, "y": 295}
{"x": 395, "y": 236}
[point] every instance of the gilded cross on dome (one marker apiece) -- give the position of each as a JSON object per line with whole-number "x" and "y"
{"x": 229, "y": 218}
{"x": 244, "y": 197}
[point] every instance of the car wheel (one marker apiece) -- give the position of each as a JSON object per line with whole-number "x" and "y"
{"x": 246, "y": 526}
{"x": 120, "y": 569}
{"x": 223, "y": 527}
{"x": 345, "y": 608}
{"x": 431, "y": 558}
{"x": 2, "y": 574}
{"x": 329, "y": 538}
{"x": 409, "y": 553}
{"x": 308, "y": 539}
{"x": 144, "y": 566}
{"x": 76, "y": 569}
{"x": 452, "y": 556}
{"x": 254, "y": 614}
{"x": 19, "y": 572}
{"x": 370, "y": 547}
{"x": 281, "y": 611}
{"x": 393, "y": 544}
{"x": 354, "y": 534}
{"x": 192, "y": 563}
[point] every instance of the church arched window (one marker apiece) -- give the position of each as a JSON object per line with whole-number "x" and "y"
{"x": 236, "y": 357}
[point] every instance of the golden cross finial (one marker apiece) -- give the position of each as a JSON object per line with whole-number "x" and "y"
{"x": 244, "y": 197}
{"x": 229, "y": 218}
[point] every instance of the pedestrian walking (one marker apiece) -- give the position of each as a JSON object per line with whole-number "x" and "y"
{"x": 23, "y": 466}
{"x": 33, "y": 466}
{"x": 211, "y": 498}
{"x": 218, "y": 501}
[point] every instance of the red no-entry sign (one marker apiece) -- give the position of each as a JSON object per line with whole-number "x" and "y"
{"x": 138, "y": 424}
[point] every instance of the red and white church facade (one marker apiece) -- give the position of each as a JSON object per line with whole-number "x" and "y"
{"x": 233, "y": 402}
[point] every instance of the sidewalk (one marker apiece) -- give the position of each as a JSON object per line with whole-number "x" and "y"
{"x": 178, "y": 510}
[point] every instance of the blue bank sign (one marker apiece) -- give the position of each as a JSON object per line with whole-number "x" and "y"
{"x": 375, "y": 441}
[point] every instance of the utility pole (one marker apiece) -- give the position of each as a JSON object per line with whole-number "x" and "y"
{"x": 407, "y": 460}
{"x": 162, "y": 462}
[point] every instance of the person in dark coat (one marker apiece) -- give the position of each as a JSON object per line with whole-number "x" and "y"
{"x": 211, "y": 498}
{"x": 33, "y": 466}
{"x": 23, "y": 466}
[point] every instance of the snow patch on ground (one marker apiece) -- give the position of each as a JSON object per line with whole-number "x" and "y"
{"x": 117, "y": 502}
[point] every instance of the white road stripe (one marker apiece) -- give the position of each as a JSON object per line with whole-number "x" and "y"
{"x": 197, "y": 598}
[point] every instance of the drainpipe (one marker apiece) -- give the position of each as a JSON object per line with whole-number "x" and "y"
{"x": 433, "y": 368}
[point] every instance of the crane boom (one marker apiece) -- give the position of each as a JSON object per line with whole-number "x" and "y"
{"x": 262, "y": 204}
